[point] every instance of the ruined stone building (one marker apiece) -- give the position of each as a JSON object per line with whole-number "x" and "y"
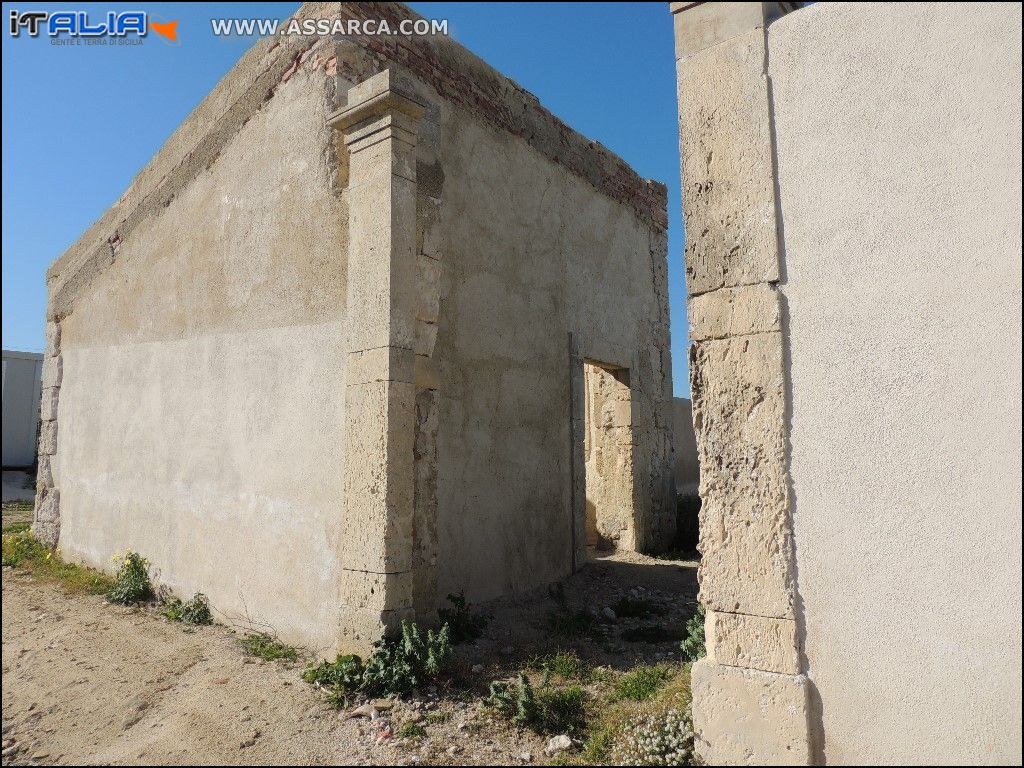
{"x": 374, "y": 327}
{"x": 852, "y": 193}
{"x": 371, "y": 328}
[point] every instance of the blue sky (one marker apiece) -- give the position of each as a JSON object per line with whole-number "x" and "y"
{"x": 79, "y": 123}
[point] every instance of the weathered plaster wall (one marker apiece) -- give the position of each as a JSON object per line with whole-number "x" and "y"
{"x": 898, "y": 129}
{"x": 532, "y": 253}
{"x": 328, "y": 437}
{"x": 200, "y": 412}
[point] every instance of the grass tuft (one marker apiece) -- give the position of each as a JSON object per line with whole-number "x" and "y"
{"x": 643, "y": 682}
{"x": 195, "y": 612}
{"x": 564, "y": 664}
{"x": 265, "y": 647}
{"x": 24, "y": 551}
{"x": 412, "y": 730}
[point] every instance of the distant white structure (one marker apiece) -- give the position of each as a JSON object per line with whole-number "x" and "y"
{"x": 22, "y": 379}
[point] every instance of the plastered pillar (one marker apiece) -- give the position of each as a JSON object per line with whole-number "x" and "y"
{"x": 379, "y": 124}
{"x": 750, "y": 692}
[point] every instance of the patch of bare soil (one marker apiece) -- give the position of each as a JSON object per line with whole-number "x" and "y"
{"x": 87, "y": 682}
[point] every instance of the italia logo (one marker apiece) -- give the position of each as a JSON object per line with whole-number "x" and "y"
{"x": 80, "y": 24}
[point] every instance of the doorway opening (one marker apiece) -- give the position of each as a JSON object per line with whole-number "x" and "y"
{"x": 608, "y": 458}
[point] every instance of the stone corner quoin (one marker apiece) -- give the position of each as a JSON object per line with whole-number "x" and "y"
{"x": 750, "y": 692}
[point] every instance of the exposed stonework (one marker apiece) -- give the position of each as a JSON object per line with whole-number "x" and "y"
{"x": 728, "y": 185}
{"x": 753, "y": 642}
{"x": 380, "y": 122}
{"x": 734, "y": 312}
{"x": 750, "y": 696}
{"x": 739, "y": 416}
{"x": 749, "y": 717}
{"x": 608, "y": 446}
{"x": 46, "y": 523}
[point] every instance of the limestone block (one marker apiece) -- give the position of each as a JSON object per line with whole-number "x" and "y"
{"x": 48, "y": 404}
{"x": 381, "y": 364}
{"x": 749, "y": 717}
{"x": 739, "y": 418}
{"x": 360, "y": 627}
{"x": 702, "y": 25}
{"x": 52, "y": 338}
{"x": 426, "y": 337}
{"x": 382, "y": 146}
{"x": 46, "y": 518}
{"x": 382, "y": 268}
{"x": 48, "y": 438}
{"x": 427, "y": 375}
{"x": 376, "y": 591}
{"x": 378, "y": 480}
{"x": 754, "y": 642}
{"x": 44, "y": 472}
{"x": 728, "y": 182}
{"x": 734, "y": 312}
{"x": 622, "y": 416}
{"x": 428, "y": 279}
{"x": 424, "y": 557}
{"x": 53, "y": 371}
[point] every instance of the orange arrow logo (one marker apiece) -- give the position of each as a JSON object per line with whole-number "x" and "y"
{"x": 168, "y": 30}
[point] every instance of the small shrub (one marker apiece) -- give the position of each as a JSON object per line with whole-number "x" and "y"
{"x": 264, "y": 646}
{"x": 398, "y": 665}
{"x": 514, "y": 701}
{"x": 561, "y": 710}
{"x": 693, "y": 644}
{"x": 565, "y": 664}
{"x": 21, "y": 546}
{"x": 655, "y": 739}
{"x": 463, "y": 625}
{"x": 131, "y": 584}
{"x": 172, "y": 609}
{"x": 412, "y": 730}
{"x": 546, "y": 711}
{"x": 641, "y": 683}
{"x": 196, "y": 611}
{"x": 342, "y": 676}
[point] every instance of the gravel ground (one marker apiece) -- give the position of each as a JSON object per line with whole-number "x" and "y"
{"x": 89, "y": 682}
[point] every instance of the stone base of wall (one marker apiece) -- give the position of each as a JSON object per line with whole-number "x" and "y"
{"x": 749, "y": 717}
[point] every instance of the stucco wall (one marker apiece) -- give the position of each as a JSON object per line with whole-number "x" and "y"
{"x": 898, "y": 132}
{"x": 197, "y": 403}
{"x": 22, "y": 376}
{"x": 200, "y": 412}
{"x": 532, "y": 253}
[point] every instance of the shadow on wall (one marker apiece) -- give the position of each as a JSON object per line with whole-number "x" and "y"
{"x": 687, "y": 476}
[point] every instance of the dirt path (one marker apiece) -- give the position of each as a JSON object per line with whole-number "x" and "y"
{"x": 89, "y": 682}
